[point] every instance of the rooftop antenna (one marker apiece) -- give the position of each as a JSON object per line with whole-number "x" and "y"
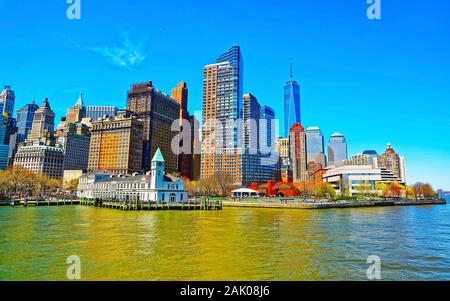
{"x": 290, "y": 65}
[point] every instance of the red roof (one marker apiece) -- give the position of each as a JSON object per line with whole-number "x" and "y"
{"x": 297, "y": 126}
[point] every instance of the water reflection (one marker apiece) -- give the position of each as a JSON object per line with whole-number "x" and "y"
{"x": 233, "y": 244}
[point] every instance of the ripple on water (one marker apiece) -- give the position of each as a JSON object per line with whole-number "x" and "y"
{"x": 234, "y": 244}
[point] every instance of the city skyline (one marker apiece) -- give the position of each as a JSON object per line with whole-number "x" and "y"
{"x": 341, "y": 87}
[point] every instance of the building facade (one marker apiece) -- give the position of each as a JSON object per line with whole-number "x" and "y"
{"x": 97, "y": 112}
{"x": 159, "y": 112}
{"x": 188, "y": 159}
{"x": 256, "y": 166}
{"x": 116, "y": 144}
{"x": 365, "y": 158}
{"x": 251, "y": 117}
{"x": 349, "y": 178}
{"x": 74, "y": 138}
{"x": 282, "y": 148}
{"x": 267, "y": 130}
{"x": 337, "y": 149}
{"x": 40, "y": 158}
{"x": 390, "y": 160}
{"x": 222, "y": 105}
{"x": 43, "y": 125}
{"x": 180, "y": 94}
{"x": 25, "y": 116}
{"x": 8, "y": 135}
{"x": 315, "y": 150}
{"x": 297, "y": 151}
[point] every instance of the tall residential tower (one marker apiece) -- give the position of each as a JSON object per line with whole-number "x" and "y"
{"x": 222, "y": 106}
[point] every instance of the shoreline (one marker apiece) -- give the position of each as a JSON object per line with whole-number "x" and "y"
{"x": 275, "y": 204}
{"x": 334, "y": 205}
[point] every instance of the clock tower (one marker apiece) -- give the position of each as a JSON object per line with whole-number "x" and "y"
{"x": 157, "y": 181}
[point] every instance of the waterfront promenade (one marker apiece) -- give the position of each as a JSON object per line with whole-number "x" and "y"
{"x": 282, "y": 203}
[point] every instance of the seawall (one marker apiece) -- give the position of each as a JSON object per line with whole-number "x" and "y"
{"x": 283, "y": 204}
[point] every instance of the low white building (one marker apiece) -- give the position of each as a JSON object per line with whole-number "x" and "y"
{"x": 155, "y": 186}
{"x": 244, "y": 192}
{"x": 351, "y": 176}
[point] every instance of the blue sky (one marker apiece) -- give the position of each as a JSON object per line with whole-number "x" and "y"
{"x": 375, "y": 81}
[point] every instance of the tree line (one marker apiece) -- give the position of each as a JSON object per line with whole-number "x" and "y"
{"x": 221, "y": 184}
{"x": 17, "y": 181}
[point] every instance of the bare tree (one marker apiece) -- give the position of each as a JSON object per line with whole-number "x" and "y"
{"x": 208, "y": 186}
{"x": 224, "y": 180}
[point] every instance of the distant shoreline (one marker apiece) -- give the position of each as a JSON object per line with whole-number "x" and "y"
{"x": 332, "y": 205}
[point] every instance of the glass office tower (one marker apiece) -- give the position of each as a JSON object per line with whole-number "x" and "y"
{"x": 267, "y": 130}
{"x": 337, "y": 149}
{"x": 315, "y": 146}
{"x": 24, "y": 118}
{"x": 291, "y": 104}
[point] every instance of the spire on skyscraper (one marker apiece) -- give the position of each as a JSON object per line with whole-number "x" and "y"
{"x": 290, "y": 65}
{"x": 79, "y": 102}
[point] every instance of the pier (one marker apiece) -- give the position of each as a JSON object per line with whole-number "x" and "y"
{"x": 34, "y": 203}
{"x": 131, "y": 206}
{"x": 140, "y": 206}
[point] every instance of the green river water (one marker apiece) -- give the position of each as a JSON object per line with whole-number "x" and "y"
{"x": 413, "y": 243}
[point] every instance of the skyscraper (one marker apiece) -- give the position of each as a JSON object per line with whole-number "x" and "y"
{"x": 76, "y": 113}
{"x": 234, "y": 57}
{"x": 251, "y": 117}
{"x": 7, "y": 98}
{"x": 267, "y": 130}
{"x": 282, "y": 147}
{"x": 315, "y": 146}
{"x": 43, "y": 123}
{"x": 180, "y": 94}
{"x": 297, "y": 146}
{"x": 25, "y": 116}
{"x": 291, "y": 104}
{"x": 158, "y": 111}
{"x": 74, "y": 139}
{"x": 8, "y": 131}
{"x": 391, "y": 161}
{"x": 116, "y": 144}
{"x": 222, "y": 105}
{"x": 188, "y": 160}
{"x": 256, "y": 166}
{"x": 337, "y": 149}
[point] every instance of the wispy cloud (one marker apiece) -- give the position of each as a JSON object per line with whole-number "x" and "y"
{"x": 126, "y": 54}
